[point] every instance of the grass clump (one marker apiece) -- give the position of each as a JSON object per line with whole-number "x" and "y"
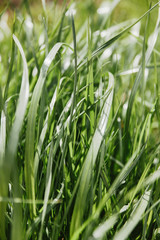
{"x": 80, "y": 123}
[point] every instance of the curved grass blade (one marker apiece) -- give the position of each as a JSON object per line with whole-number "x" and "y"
{"x": 13, "y": 139}
{"x": 44, "y": 130}
{"x": 20, "y": 110}
{"x": 37, "y": 220}
{"x": 30, "y": 131}
{"x": 135, "y": 217}
{"x": 104, "y": 227}
{"x": 79, "y": 207}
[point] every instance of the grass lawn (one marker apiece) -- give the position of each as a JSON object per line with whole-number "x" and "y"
{"x": 80, "y": 120}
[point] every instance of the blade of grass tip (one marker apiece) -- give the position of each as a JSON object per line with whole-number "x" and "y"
{"x": 151, "y": 44}
{"x": 31, "y": 125}
{"x": 112, "y": 40}
{"x": 80, "y": 203}
{"x": 135, "y": 217}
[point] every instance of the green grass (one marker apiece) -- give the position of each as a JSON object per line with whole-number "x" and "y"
{"x": 79, "y": 121}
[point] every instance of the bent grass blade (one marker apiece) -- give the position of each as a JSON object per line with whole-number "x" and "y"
{"x": 30, "y": 131}
{"x": 11, "y": 148}
{"x": 151, "y": 44}
{"x": 79, "y": 207}
{"x": 135, "y": 217}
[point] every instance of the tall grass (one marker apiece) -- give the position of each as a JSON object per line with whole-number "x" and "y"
{"x": 80, "y": 124}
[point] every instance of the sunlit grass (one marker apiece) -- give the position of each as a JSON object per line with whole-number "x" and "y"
{"x": 80, "y": 123}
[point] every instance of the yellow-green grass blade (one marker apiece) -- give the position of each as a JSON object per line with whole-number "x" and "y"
{"x": 31, "y": 125}
{"x": 79, "y": 207}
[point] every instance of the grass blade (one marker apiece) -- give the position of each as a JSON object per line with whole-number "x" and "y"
{"x": 90, "y": 160}
{"x": 20, "y": 111}
{"x": 135, "y": 217}
{"x": 30, "y": 132}
{"x": 47, "y": 189}
{"x": 152, "y": 39}
{"x": 12, "y": 144}
{"x": 101, "y": 230}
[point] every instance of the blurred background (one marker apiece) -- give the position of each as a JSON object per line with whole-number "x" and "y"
{"x": 126, "y": 9}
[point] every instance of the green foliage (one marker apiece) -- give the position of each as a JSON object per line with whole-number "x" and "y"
{"x": 80, "y": 124}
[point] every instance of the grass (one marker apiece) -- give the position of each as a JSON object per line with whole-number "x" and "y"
{"x": 80, "y": 123}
